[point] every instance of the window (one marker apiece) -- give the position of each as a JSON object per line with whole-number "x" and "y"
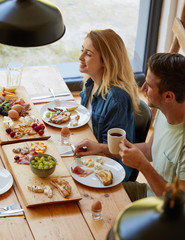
{"x": 131, "y": 19}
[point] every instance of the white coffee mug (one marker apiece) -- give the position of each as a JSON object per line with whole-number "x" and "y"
{"x": 115, "y": 136}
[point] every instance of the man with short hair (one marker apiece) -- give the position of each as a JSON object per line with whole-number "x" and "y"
{"x": 165, "y": 90}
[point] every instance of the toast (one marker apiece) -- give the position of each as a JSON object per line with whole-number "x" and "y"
{"x": 105, "y": 176}
{"x": 62, "y": 185}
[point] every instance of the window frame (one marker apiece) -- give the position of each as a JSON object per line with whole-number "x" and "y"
{"x": 147, "y": 37}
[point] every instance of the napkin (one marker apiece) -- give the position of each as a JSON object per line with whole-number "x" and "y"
{"x": 65, "y": 150}
{"x": 14, "y": 207}
{"x": 45, "y": 100}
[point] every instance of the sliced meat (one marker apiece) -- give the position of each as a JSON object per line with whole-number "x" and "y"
{"x": 81, "y": 172}
{"x": 25, "y": 159}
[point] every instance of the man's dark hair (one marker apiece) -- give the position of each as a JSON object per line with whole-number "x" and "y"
{"x": 170, "y": 69}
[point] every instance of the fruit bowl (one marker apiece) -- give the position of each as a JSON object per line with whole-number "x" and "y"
{"x": 42, "y": 165}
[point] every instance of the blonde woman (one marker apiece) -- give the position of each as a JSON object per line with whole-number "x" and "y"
{"x": 110, "y": 91}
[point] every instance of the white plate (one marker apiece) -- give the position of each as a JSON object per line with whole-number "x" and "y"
{"x": 91, "y": 180}
{"x": 81, "y": 111}
{"x": 6, "y": 180}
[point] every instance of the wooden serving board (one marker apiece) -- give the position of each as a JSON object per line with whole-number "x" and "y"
{"x": 23, "y": 176}
{"x": 6, "y": 138}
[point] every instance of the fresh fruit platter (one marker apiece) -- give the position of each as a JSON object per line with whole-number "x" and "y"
{"x": 34, "y": 189}
{"x": 19, "y": 119}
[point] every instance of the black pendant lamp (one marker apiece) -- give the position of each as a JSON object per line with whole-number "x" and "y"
{"x": 152, "y": 219}
{"x": 29, "y": 23}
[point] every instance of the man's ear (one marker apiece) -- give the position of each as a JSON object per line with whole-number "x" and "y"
{"x": 169, "y": 96}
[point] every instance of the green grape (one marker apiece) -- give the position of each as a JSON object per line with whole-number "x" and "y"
{"x": 48, "y": 114}
{"x": 53, "y": 114}
{"x": 43, "y": 162}
{"x": 42, "y": 159}
{"x": 50, "y": 165}
{"x": 32, "y": 162}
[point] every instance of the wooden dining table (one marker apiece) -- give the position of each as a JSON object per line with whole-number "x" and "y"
{"x": 70, "y": 220}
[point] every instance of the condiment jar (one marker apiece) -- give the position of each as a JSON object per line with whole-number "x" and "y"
{"x": 96, "y": 209}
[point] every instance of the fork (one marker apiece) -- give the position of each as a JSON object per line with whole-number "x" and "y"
{"x": 6, "y": 208}
{"x": 11, "y": 207}
{"x": 72, "y": 147}
{"x": 52, "y": 92}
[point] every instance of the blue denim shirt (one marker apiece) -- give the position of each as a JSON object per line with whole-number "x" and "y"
{"x": 114, "y": 111}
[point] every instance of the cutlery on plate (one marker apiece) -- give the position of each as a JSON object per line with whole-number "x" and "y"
{"x": 12, "y": 211}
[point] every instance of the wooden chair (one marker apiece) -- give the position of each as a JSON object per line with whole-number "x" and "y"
{"x": 179, "y": 33}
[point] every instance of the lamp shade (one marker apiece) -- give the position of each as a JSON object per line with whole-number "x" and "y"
{"x": 29, "y": 23}
{"x": 151, "y": 218}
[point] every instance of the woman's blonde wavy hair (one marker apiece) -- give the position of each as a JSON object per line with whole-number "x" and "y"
{"x": 117, "y": 67}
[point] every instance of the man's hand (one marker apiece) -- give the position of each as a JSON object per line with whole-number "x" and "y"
{"x": 132, "y": 156}
{"x": 87, "y": 147}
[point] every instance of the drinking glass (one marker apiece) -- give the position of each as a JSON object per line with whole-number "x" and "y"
{"x": 14, "y": 74}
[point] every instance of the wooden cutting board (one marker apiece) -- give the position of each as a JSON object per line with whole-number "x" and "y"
{"x": 6, "y": 138}
{"x": 23, "y": 176}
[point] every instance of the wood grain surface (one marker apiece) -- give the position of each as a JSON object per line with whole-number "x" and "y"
{"x": 71, "y": 220}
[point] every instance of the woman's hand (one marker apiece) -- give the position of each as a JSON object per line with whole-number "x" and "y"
{"x": 132, "y": 156}
{"x": 87, "y": 147}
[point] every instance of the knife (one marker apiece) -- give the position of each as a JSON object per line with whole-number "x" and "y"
{"x": 50, "y": 96}
{"x": 66, "y": 152}
{"x": 12, "y": 211}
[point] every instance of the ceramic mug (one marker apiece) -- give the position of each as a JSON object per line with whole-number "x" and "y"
{"x": 115, "y": 136}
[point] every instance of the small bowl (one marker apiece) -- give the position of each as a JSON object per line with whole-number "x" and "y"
{"x": 41, "y": 172}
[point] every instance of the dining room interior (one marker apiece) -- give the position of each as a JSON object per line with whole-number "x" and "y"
{"x": 61, "y": 205}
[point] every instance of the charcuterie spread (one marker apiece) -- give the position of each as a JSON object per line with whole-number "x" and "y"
{"x": 19, "y": 120}
{"x": 35, "y": 190}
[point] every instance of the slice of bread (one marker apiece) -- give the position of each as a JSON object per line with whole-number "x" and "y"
{"x": 62, "y": 185}
{"x": 105, "y": 176}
